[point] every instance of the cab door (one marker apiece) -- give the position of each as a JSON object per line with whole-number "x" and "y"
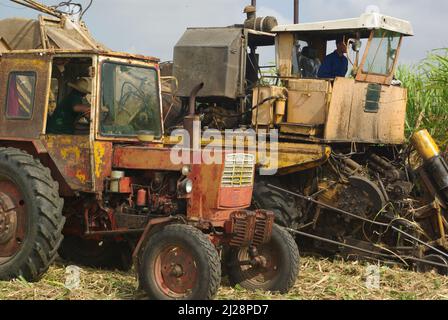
{"x": 24, "y": 87}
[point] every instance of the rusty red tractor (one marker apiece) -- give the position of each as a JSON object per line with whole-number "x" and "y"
{"x": 109, "y": 195}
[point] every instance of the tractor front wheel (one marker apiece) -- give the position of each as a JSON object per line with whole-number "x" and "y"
{"x": 274, "y": 268}
{"x": 179, "y": 262}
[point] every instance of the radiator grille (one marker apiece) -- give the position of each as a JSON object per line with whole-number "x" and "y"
{"x": 238, "y": 170}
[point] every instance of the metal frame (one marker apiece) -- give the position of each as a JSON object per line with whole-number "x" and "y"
{"x": 96, "y": 116}
{"x": 101, "y": 62}
{"x": 375, "y": 77}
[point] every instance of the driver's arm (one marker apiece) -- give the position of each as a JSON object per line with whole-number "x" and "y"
{"x": 81, "y": 108}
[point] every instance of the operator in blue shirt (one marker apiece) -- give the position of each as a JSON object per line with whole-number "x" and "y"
{"x": 335, "y": 64}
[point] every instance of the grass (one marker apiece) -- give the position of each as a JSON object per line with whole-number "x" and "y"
{"x": 427, "y": 84}
{"x": 319, "y": 279}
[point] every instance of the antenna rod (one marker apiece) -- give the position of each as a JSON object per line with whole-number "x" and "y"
{"x": 296, "y": 11}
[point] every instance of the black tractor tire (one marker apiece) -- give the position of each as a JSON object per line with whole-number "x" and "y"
{"x": 187, "y": 247}
{"x": 105, "y": 254}
{"x": 426, "y": 268}
{"x": 282, "y": 269}
{"x": 286, "y": 210}
{"x": 41, "y": 207}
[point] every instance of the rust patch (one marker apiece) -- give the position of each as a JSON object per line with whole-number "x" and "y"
{"x": 81, "y": 176}
{"x": 8, "y": 219}
{"x": 72, "y": 151}
{"x": 71, "y": 155}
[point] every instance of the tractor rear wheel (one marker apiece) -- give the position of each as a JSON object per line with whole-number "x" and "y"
{"x": 279, "y": 268}
{"x": 441, "y": 268}
{"x": 286, "y": 210}
{"x": 179, "y": 262}
{"x": 31, "y": 219}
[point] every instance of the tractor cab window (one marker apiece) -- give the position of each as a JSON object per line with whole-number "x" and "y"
{"x": 382, "y": 53}
{"x": 260, "y": 58}
{"x": 69, "y": 104}
{"x": 305, "y": 60}
{"x": 20, "y": 101}
{"x": 129, "y": 100}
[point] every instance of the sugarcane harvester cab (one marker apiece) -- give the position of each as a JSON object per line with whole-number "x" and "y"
{"x": 344, "y": 181}
{"x": 103, "y": 189}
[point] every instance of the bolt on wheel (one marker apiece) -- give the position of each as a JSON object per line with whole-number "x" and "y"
{"x": 176, "y": 271}
{"x": 12, "y": 220}
{"x": 273, "y": 266}
{"x": 179, "y": 263}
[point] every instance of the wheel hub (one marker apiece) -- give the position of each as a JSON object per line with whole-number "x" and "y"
{"x": 263, "y": 263}
{"x": 8, "y": 219}
{"x": 259, "y": 261}
{"x": 177, "y": 273}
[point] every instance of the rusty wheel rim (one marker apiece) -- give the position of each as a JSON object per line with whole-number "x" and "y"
{"x": 13, "y": 224}
{"x": 176, "y": 271}
{"x": 262, "y": 274}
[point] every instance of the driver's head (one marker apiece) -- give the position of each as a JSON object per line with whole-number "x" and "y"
{"x": 341, "y": 46}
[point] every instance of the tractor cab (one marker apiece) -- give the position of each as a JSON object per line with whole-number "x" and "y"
{"x": 365, "y": 106}
{"x": 76, "y": 96}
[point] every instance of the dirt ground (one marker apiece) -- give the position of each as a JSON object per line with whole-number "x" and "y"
{"x": 319, "y": 279}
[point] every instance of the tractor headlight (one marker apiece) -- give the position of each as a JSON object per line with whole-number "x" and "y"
{"x": 185, "y": 170}
{"x": 186, "y": 186}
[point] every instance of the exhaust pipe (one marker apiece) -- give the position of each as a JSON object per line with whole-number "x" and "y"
{"x": 296, "y": 11}
{"x": 193, "y": 95}
{"x": 192, "y": 122}
{"x": 265, "y": 24}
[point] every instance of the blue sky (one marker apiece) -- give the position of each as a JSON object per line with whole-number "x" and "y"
{"x": 153, "y": 27}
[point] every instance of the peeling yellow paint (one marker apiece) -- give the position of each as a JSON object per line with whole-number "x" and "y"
{"x": 60, "y": 140}
{"x": 67, "y": 151}
{"x": 99, "y": 151}
{"x": 81, "y": 177}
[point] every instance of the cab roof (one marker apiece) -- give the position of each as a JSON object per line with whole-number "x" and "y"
{"x": 54, "y": 36}
{"x": 364, "y": 24}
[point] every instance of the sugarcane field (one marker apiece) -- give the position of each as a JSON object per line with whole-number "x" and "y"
{"x": 224, "y": 150}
